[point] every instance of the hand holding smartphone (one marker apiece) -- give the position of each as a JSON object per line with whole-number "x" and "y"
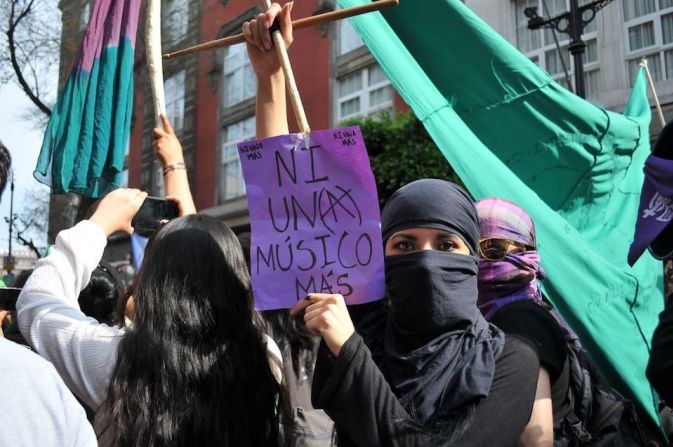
{"x": 153, "y": 213}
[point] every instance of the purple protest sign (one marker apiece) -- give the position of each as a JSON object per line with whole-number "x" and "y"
{"x": 316, "y": 225}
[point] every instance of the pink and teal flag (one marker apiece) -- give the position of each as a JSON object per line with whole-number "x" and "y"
{"x": 86, "y": 139}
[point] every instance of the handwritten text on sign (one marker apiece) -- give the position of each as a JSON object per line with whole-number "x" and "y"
{"x": 315, "y": 220}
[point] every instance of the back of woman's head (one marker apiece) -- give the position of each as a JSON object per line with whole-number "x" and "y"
{"x": 193, "y": 369}
{"x": 99, "y": 298}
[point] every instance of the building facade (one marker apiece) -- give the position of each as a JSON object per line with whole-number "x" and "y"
{"x": 210, "y": 96}
{"x": 621, "y": 34}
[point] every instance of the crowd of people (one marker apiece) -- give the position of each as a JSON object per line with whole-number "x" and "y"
{"x": 464, "y": 349}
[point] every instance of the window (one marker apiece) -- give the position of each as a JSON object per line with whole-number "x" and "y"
{"x": 526, "y": 40}
{"x": 239, "y": 79}
{"x": 638, "y": 8}
{"x": 653, "y": 64}
{"x": 364, "y": 92}
{"x": 641, "y": 36}
{"x": 175, "y": 16}
{"x": 348, "y": 39}
{"x": 231, "y": 176}
{"x": 174, "y": 88}
{"x": 540, "y": 47}
{"x": 649, "y": 33}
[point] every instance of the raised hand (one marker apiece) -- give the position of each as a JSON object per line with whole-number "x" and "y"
{"x": 326, "y": 315}
{"x": 167, "y": 147}
{"x": 262, "y": 55}
{"x": 115, "y": 210}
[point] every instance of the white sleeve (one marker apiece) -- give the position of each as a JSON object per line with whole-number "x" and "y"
{"x": 77, "y": 431}
{"x": 83, "y": 351}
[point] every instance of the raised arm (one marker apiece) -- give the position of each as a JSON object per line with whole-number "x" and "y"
{"x": 169, "y": 152}
{"x": 271, "y": 109}
{"x": 349, "y": 386}
{"x": 82, "y": 350}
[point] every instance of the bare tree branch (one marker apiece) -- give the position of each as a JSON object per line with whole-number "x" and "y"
{"x": 14, "y": 21}
{"x": 28, "y": 243}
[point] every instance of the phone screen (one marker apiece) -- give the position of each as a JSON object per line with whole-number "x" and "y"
{"x": 8, "y": 297}
{"x": 152, "y": 213}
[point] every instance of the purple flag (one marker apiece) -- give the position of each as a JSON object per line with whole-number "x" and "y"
{"x": 655, "y": 211}
{"x": 316, "y": 225}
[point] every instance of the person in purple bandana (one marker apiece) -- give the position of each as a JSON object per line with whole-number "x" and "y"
{"x": 510, "y": 298}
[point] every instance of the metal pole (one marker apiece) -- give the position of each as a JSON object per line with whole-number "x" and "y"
{"x": 577, "y": 47}
{"x": 11, "y": 213}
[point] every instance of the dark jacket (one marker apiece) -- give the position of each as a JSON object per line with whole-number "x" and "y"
{"x": 353, "y": 392}
{"x": 660, "y": 367}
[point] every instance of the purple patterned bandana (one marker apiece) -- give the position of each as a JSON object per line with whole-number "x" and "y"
{"x": 515, "y": 277}
{"x": 511, "y": 279}
{"x": 656, "y": 210}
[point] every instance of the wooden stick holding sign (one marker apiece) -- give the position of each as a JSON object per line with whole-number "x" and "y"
{"x": 296, "y": 24}
{"x": 154, "y": 61}
{"x": 290, "y": 82}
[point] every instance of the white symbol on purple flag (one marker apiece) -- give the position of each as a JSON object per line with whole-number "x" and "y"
{"x": 660, "y": 207}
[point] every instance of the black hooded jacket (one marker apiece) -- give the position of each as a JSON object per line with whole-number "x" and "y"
{"x": 660, "y": 367}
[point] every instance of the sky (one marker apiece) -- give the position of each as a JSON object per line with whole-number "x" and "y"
{"x": 23, "y": 138}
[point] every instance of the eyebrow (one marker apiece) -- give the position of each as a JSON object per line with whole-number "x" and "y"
{"x": 404, "y": 236}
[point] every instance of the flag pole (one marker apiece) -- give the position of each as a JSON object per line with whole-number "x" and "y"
{"x": 290, "y": 82}
{"x": 643, "y": 63}
{"x": 154, "y": 61}
{"x": 297, "y": 24}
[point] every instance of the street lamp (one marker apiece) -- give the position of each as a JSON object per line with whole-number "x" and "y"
{"x": 571, "y": 23}
{"x": 9, "y": 261}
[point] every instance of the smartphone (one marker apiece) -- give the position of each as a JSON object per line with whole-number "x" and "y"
{"x": 153, "y": 213}
{"x": 8, "y": 297}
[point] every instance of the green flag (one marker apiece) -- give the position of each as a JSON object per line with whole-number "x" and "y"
{"x": 509, "y": 130}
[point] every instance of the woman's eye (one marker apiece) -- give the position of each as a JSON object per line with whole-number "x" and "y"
{"x": 404, "y": 246}
{"x": 447, "y": 246}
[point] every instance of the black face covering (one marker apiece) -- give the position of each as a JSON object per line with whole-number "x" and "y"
{"x": 439, "y": 352}
{"x": 433, "y": 292}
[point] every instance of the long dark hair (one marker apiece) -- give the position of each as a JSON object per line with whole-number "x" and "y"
{"x": 293, "y": 339}
{"x": 193, "y": 369}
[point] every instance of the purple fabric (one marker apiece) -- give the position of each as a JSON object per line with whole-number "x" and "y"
{"x": 511, "y": 279}
{"x": 656, "y": 205}
{"x": 515, "y": 277}
{"x": 110, "y": 22}
{"x": 502, "y": 219}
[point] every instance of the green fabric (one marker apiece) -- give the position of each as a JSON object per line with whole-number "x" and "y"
{"x": 509, "y": 130}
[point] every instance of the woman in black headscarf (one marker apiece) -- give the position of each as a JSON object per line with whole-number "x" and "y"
{"x": 424, "y": 367}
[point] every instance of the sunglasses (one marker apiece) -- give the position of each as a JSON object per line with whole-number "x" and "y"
{"x": 495, "y": 249}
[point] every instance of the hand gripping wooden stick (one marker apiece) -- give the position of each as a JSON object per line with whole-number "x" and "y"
{"x": 296, "y": 24}
{"x": 291, "y": 84}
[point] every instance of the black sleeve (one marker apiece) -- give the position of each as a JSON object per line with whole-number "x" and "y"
{"x": 353, "y": 392}
{"x": 534, "y": 323}
{"x": 370, "y": 320}
{"x": 502, "y": 416}
{"x": 660, "y": 367}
